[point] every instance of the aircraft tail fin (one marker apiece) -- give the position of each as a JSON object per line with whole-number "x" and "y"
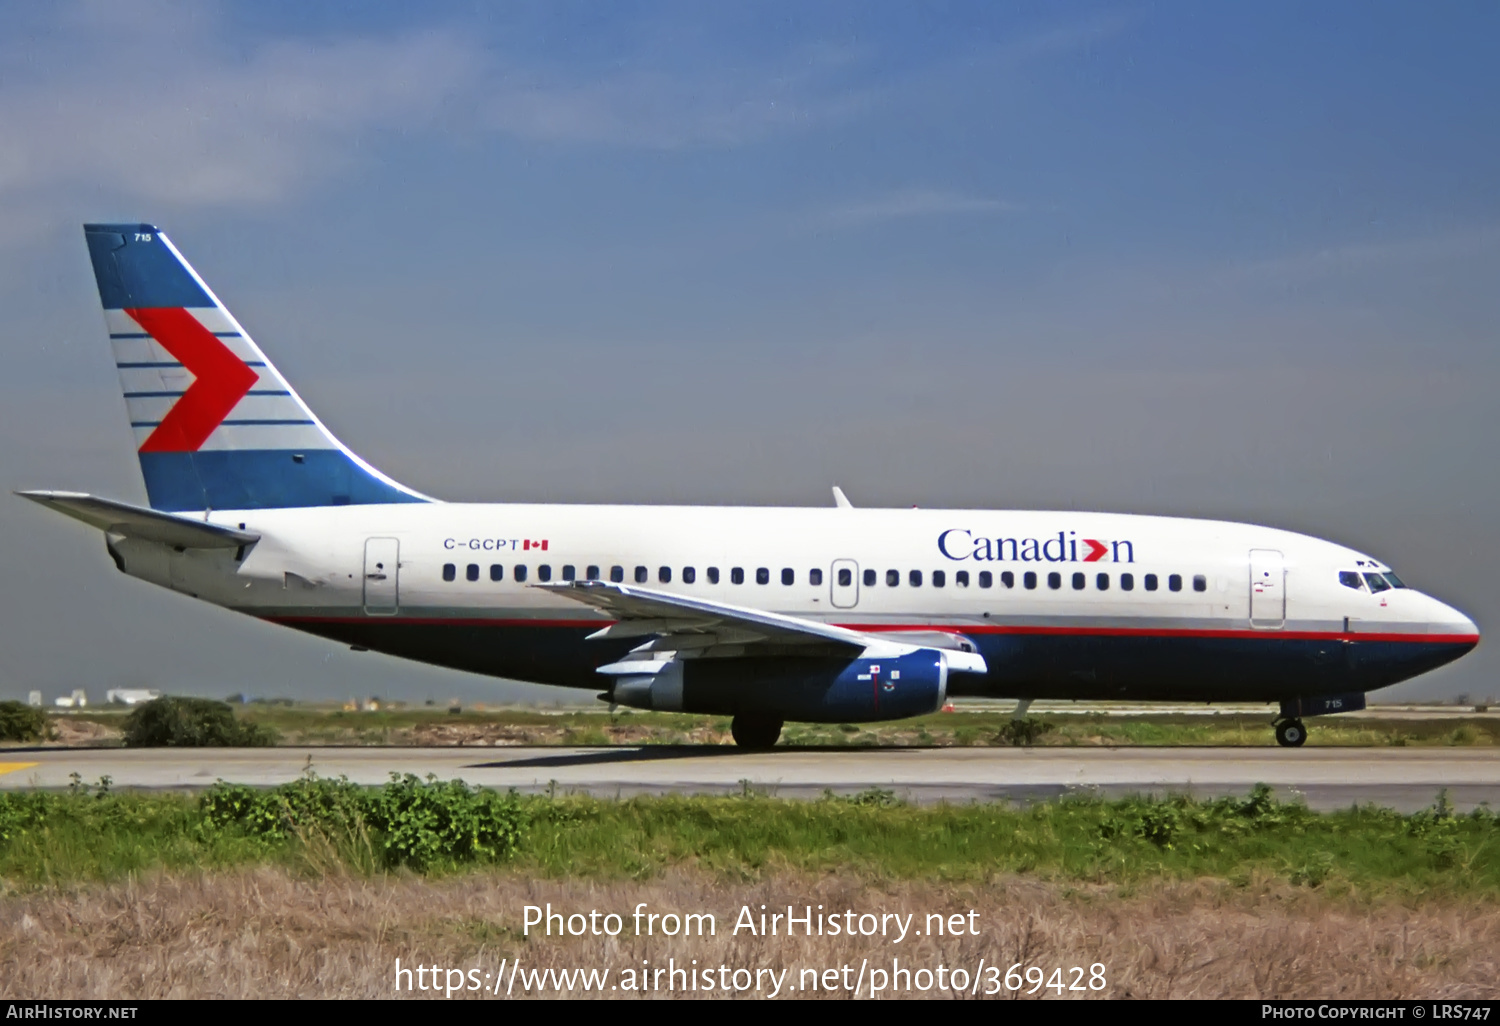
{"x": 216, "y": 425}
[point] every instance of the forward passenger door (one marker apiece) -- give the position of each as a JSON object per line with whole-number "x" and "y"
{"x": 1267, "y": 589}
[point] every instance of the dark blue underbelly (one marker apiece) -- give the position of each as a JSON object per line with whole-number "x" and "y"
{"x": 1263, "y": 667}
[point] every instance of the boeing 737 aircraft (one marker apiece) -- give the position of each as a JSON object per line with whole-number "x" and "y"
{"x": 766, "y": 615}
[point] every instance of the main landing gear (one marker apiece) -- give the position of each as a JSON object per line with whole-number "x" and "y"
{"x": 755, "y": 733}
{"x": 1290, "y": 733}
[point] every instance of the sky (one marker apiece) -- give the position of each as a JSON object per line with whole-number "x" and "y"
{"x": 1228, "y": 261}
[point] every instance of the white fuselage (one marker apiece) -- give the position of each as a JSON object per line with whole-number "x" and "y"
{"x": 961, "y": 571}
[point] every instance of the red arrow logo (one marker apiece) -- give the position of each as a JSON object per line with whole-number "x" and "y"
{"x": 1097, "y": 550}
{"x": 221, "y": 379}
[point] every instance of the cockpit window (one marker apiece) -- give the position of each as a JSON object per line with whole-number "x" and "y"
{"x": 1376, "y": 582}
{"x": 1396, "y": 582}
{"x": 1350, "y": 579}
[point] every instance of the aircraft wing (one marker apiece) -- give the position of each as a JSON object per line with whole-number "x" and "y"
{"x": 678, "y": 622}
{"x": 139, "y": 522}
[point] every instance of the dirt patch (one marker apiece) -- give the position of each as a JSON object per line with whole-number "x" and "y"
{"x": 71, "y": 733}
{"x": 267, "y": 934}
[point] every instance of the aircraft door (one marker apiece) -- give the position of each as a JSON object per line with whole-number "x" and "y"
{"x": 1267, "y": 589}
{"x": 382, "y": 576}
{"x": 844, "y": 584}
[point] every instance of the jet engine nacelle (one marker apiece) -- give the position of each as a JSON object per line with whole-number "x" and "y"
{"x": 810, "y": 690}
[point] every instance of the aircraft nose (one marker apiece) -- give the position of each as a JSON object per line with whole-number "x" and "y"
{"x": 1450, "y": 621}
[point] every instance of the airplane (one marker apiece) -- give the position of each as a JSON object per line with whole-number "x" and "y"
{"x": 765, "y": 615}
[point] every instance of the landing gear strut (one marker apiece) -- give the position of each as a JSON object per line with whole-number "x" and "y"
{"x": 755, "y": 733}
{"x": 1290, "y": 733}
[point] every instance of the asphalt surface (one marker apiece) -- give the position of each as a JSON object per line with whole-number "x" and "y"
{"x": 1402, "y": 778}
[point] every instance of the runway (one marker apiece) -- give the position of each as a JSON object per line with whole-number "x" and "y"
{"x": 1402, "y": 778}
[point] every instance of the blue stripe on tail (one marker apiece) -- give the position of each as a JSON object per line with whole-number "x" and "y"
{"x": 261, "y": 479}
{"x": 134, "y": 268}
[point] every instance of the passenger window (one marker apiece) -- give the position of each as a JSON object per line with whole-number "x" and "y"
{"x": 915, "y": 577}
{"x": 1054, "y": 580}
{"x": 892, "y": 578}
{"x": 1376, "y": 582}
{"x": 1200, "y": 582}
{"x": 1174, "y": 582}
{"x": 713, "y": 575}
{"x": 788, "y": 575}
{"x": 960, "y": 578}
{"x": 737, "y": 575}
{"x": 664, "y": 574}
{"x": 986, "y": 579}
{"x": 569, "y": 573}
{"x": 870, "y": 576}
{"x": 846, "y": 577}
{"x": 642, "y": 575}
{"x": 1127, "y": 582}
{"x": 544, "y": 572}
{"x": 592, "y": 573}
{"x": 497, "y": 572}
{"x": 450, "y": 572}
{"x": 472, "y": 571}
{"x": 1079, "y": 581}
{"x": 1150, "y": 582}
{"x": 815, "y": 577}
{"x": 1102, "y": 582}
{"x": 1029, "y": 580}
{"x": 689, "y": 575}
{"x": 1007, "y": 578}
{"x": 938, "y": 579}
{"x": 520, "y": 574}
{"x": 617, "y": 574}
{"x": 1350, "y": 579}
{"x": 762, "y": 575}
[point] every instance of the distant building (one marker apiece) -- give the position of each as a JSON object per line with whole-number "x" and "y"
{"x": 34, "y": 698}
{"x": 77, "y": 700}
{"x": 131, "y": 696}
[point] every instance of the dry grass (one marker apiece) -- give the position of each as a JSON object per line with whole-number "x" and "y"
{"x": 265, "y": 933}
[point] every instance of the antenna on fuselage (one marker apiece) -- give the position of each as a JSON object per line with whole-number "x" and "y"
{"x": 840, "y": 499}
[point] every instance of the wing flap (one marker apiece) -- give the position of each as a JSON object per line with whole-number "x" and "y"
{"x": 122, "y": 518}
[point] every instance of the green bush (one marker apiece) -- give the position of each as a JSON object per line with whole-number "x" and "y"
{"x": 1023, "y": 732}
{"x": 192, "y": 723}
{"x": 413, "y": 823}
{"x": 22, "y": 722}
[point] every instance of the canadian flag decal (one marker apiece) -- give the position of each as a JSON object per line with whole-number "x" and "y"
{"x": 220, "y": 379}
{"x": 528, "y": 545}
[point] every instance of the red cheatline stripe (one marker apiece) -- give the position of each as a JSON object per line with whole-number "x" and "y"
{"x": 1103, "y": 632}
{"x": 221, "y": 379}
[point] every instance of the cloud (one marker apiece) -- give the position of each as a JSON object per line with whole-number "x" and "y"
{"x": 156, "y": 105}
{"x": 160, "y": 110}
{"x": 661, "y": 108}
{"x": 914, "y": 203}
{"x": 1366, "y": 257}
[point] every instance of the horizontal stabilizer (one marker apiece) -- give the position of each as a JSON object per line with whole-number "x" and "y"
{"x": 138, "y": 522}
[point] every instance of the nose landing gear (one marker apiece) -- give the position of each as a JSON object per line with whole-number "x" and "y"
{"x": 1290, "y": 733}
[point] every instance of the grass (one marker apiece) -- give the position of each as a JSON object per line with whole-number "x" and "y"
{"x": 239, "y": 893}
{"x": 307, "y": 724}
{"x": 50, "y": 839}
{"x": 271, "y": 933}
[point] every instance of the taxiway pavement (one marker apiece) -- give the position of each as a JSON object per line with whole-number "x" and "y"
{"x": 1400, "y": 778}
